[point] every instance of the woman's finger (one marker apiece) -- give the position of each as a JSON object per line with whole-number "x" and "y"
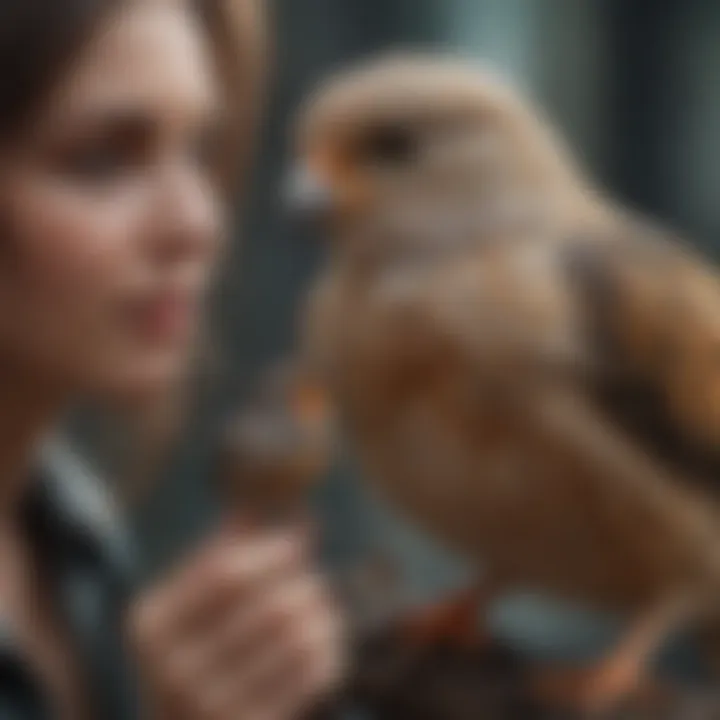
{"x": 294, "y": 671}
{"x": 187, "y": 606}
{"x": 262, "y": 621}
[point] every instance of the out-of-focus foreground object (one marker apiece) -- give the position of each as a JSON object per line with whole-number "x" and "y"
{"x": 278, "y": 446}
{"x": 527, "y": 369}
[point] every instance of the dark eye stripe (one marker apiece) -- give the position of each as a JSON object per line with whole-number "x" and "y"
{"x": 390, "y": 145}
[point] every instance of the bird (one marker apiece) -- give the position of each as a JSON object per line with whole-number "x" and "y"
{"x": 526, "y": 367}
{"x": 277, "y": 447}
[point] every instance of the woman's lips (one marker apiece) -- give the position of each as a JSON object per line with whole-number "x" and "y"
{"x": 166, "y": 317}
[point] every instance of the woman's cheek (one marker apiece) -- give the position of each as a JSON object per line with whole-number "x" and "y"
{"x": 72, "y": 261}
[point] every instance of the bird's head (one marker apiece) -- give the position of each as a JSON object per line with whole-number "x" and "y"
{"x": 423, "y": 143}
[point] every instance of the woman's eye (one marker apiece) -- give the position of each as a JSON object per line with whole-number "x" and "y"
{"x": 101, "y": 164}
{"x": 391, "y": 146}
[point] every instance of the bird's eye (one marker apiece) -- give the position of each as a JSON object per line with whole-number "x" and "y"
{"x": 391, "y": 146}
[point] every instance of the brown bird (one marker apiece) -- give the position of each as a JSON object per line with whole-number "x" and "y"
{"x": 527, "y": 369}
{"x": 278, "y": 446}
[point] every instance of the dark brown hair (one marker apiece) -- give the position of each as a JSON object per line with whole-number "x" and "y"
{"x": 39, "y": 39}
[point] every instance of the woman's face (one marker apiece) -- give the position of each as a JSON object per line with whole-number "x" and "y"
{"x": 108, "y": 216}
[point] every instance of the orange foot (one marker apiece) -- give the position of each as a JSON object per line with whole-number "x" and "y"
{"x": 453, "y": 622}
{"x": 594, "y": 690}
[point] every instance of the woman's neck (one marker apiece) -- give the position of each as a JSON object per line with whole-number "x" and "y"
{"x": 28, "y": 409}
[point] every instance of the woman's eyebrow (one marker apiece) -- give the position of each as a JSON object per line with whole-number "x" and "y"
{"x": 128, "y": 127}
{"x": 128, "y": 122}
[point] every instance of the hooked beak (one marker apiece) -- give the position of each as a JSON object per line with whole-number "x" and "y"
{"x": 306, "y": 196}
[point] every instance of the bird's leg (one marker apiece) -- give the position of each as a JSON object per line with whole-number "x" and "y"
{"x": 457, "y": 621}
{"x": 620, "y": 675}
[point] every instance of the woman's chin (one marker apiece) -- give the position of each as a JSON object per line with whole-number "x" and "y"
{"x": 138, "y": 383}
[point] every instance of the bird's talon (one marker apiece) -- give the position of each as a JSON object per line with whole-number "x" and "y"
{"x": 592, "y": 691}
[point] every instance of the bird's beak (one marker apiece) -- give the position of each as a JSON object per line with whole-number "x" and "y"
{"x": 307, "y": 196}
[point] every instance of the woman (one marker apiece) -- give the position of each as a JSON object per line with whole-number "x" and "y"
{"x": 115, "y": 118}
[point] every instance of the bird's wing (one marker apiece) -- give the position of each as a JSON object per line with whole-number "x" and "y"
{"x": 651, "y": 309}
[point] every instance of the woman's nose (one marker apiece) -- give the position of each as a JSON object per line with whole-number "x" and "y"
{"x": 186, "y": 216}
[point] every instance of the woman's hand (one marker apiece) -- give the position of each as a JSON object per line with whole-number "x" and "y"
{"x": 244, "y": 630}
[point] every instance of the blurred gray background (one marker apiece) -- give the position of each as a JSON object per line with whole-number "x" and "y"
{"x": 632, "y": 83}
